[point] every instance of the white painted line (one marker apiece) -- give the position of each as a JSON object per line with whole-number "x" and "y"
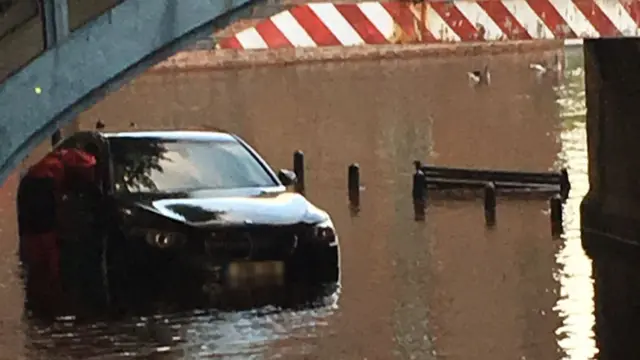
{"x": 251, "y": 39}
{"x": 574, "y": 18}
{"x": 525, "y": 15}
{"x": 439, "y": 28}
{"x": 379, "y": 17}
{"x": 337, "y": 24}
{"x": 476, "y": 15}
{"x": 619, "y": 16}
{"x": 292, "y": 30}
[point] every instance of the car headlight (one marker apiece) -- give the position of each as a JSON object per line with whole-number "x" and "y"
{"x": 324, "y": 232}
{"x": 160, "y": 239}
{"x": 164, "y": 240}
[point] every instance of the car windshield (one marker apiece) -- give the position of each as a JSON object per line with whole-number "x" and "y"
{"x": 150, "y": 165}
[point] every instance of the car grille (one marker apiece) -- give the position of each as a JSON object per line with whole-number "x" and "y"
{"x": 251, "y": 243}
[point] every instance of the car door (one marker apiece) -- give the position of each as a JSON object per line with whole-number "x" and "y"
{"x": 78, "y": 209}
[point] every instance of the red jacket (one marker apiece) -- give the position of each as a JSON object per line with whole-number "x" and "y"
{"x": 63, "y": 166}
{"x": 62, "y": 163}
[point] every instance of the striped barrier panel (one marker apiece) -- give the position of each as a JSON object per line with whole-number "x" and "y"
{"x": 372, "y": 22}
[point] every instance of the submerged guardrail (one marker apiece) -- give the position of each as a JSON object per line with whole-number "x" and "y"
{"x": 553, "y": 184}
{"x": 439, "y": 177}
{"x": 429, "y": 180}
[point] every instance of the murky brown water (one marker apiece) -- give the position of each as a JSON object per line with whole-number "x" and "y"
{"x": 446, "y": 288}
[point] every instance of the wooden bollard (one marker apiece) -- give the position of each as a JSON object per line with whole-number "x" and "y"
{"x": 353, "y": 184}
{"x": 490, "y": 204}
{"x": 419, "y": 194}
{"x": 418, "y": 165}
{"x": 565, "y": 185}
{"x": 555, "y": 213}
{"x": 298, "y": 169}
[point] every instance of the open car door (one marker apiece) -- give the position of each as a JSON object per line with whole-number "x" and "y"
{"x": 82, "y": 190}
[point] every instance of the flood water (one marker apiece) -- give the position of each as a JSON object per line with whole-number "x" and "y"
{"x": 446, "y": 288}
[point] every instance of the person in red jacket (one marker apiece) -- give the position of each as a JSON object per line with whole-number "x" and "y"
{"x": 36, "y": 223}
{"x": 37, "y": 211}
{"x": 39, "y": 196}
{"x": 79, "y": 169}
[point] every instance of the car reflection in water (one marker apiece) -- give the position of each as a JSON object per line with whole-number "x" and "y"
{"x": 172, "y": 211}
{"x": 240, "y": 322}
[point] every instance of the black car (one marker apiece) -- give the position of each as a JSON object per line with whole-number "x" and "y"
{"x": 192, "y": 207}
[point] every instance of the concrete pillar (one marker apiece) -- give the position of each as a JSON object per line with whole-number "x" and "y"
{"x": 611, "y": 209}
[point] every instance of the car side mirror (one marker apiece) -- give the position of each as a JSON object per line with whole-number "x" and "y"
{"x": 287, "y": 177}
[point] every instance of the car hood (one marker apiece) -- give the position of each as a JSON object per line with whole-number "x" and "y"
{"x": 265, "y": 208}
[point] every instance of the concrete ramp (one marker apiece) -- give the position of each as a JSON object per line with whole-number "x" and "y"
{"x": 372, "y": 22}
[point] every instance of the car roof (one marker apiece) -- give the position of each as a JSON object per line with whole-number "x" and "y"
{"x": 173, "y": 135}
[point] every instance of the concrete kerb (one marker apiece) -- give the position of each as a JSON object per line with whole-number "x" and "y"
{"x": 208, "y": 60}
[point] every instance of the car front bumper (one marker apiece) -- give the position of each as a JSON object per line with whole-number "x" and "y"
{"x": 309, "y": 262}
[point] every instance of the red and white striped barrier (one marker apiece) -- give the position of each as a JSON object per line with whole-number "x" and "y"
{"x": 372, "y": 22}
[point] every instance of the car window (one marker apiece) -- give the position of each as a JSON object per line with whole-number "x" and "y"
{"x": 152, "y": 165}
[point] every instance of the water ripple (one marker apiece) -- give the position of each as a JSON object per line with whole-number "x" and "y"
{"x": 199, "y": 333}
{"x": 575, "y": 305}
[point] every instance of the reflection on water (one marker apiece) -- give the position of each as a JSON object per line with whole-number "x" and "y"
{"x": 179, "y": 334}
{"x": 445, "y": 288}
{"x": 575, "y": 304}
